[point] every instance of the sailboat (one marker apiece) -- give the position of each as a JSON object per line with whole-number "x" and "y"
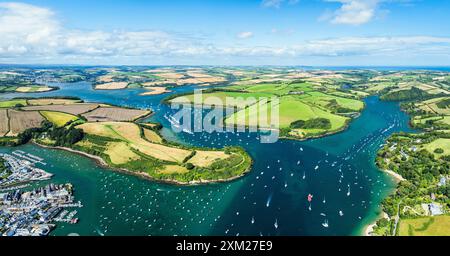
{"x": 325, "y": 224}
{"x": 304, "y": 175}
{"x": 269, "y": 200}
{"x": 253, "y": 220}
{"x": 276, "y": 224}
{"x": 310, "y": 198}
{"x": 324, "y": 200}
{"x": 317, "y": 168}
{"x": 348, "y": 193}
{"x": 341, "y": 213}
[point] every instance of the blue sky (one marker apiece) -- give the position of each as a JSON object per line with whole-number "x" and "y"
{"x": 226, "y": 32}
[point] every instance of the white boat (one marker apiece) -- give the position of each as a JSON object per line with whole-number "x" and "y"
{"x": 304, "y": 175}
{"x": 276, "y": 224}
{"x": 317, "y": 168}
{"x": 253, "y": 220}
{"x": 341, "y": 213}
{"x": 348, "y": 193}
{"x": 325, "y": 224}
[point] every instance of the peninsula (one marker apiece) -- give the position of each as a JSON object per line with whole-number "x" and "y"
{"x": 116, "y": 138}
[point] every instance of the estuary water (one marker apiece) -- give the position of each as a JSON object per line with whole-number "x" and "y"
{"x": 338, "y": 171}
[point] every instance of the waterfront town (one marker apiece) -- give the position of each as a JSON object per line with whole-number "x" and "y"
{"x": 32, "y": 212}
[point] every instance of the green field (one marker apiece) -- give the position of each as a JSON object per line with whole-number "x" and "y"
{"x": 439, "y": 143}
{"x": 58, "y": 118}
{"x": 427, "y": 226}
{"x": 297, "y": 102}
{"x": 12, "y": 103}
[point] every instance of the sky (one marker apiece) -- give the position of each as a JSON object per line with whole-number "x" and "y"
{"x": 226, "y": 32}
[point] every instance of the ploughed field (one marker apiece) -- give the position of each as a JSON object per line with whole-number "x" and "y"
{"x": 305, "y": 110}
{"x": 115, "y": 135}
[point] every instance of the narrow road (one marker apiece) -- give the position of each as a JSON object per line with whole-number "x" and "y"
{"x": 397, "y": 218}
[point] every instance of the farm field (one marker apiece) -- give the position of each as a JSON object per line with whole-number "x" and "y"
{"x": 106, "y": 114}
{"x": 58, "y": 118}
{"x": 122, "y": 144}
{"x": 29, "y": 89}
{"x": 130, "y": 133}
{"x": 444, "y": 120}
{"x": 441, "y": 143}
{"x": 206, "y": 158}
{"x": 12, "y": 103}
{"x": 426, "y": 226}
{"x": 20, "y": 121}
{"x": 152, "y": 136}
{"x": 42, "y": 102}
{"x": 4, "y": 122}
{"x": 74, "y": 109}
{"x": 112, "y": 86}
{"x": 124, "y": 147}
{"x": 431, "y": 106}
{"x": 297, "y": 102}
{"x": 155, "y": 91}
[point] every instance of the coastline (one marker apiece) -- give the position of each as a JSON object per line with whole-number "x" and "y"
{"x": 102, "y": 163}
{"x": 367, "y": 231}
{"x": 398, "y": 178}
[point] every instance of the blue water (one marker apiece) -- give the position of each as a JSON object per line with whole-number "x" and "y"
{"x": 274, "y": 191}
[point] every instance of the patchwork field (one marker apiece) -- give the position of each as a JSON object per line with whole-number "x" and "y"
{"x": 298, "y": 102}
{"x": 74, "y": 109}
{"x": 123, "y": 146}
{"x": 432, "y": 106}
{"x": 427, "y": 226}
{"x": 19, "y": 121}
{"x": 42, "y": 102}
{"x": 131, "y": 134}
{"x": 107, "y": 114}
{"x": 12, "y": 103}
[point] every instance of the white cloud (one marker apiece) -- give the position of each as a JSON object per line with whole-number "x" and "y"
{"x": 354, "y": 12}
{"x": 245, "y": 35}
{"x": 30, "y": 34}
{"x": 277, "y": 3}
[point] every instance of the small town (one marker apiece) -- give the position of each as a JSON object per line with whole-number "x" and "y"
{"x": 33, "y": 212}
{"x": 19, "y": 168}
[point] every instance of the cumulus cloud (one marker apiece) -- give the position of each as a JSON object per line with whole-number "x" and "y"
{"x": 33, "y": 34}
{"x": 354, "y": 12}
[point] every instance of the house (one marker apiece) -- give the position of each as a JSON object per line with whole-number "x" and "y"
{"x": 435, "y": 209}
{"x": 442, "y": 182}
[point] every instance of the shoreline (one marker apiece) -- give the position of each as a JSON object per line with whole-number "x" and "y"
{"x": 397, "y": 177}
{"x": 102, "y": 163}
{"x": 368, "y": 229}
